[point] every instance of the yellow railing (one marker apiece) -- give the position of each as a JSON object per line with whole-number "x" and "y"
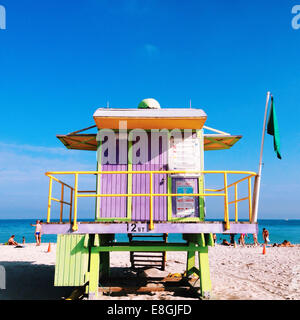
{"x": 61, "y": 201}
{"x": 213, "y": 192}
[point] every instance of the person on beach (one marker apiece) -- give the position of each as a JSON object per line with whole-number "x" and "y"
{"x": 11, "y": 241}
{"x": 37, "y": 232}
{"x": 285, "y": 243}
{"x": 225, "y": 243}
{"x": 242, "y": 239}
{"x": 215, "y": 238}
{"x": 232, "y": 238}
{"x": 256, "y": 243}
{"x": 23, "y": 240}
{"x": 265, "y": 234}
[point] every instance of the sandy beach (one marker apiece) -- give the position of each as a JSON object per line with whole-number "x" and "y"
{"x": 236, "y": 273}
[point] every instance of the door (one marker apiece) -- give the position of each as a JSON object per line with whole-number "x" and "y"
{"x": 149, "y": 152}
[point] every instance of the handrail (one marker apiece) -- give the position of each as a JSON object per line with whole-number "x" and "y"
{"x": 232, "y": 184}
{"x": 92, "y": 193}
{"x": 61, "y": 200}
{"x": 153, "y": 171}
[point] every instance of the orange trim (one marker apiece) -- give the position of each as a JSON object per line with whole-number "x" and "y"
{"x": 150, "y": 123}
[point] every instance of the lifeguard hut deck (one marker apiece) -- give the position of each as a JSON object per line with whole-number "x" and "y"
{"x": 149, "y": 180}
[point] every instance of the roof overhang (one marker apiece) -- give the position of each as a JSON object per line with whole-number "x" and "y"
{"x": 219, "y": 142}
{"x": 88, "y": 141}
{"x": 79, "y": 141}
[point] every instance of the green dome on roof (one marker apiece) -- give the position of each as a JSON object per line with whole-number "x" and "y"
{"x": 149, "y": 104}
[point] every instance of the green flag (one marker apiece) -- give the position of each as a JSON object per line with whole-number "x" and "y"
{"x": 272, "y": 129}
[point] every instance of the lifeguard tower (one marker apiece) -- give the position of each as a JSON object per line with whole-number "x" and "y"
{"x": 149, "y": 180}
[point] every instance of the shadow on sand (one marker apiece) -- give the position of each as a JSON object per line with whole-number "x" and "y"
{"x": 28, "y": 281}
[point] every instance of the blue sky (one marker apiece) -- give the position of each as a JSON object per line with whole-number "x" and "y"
{"x": 61, "y": 60}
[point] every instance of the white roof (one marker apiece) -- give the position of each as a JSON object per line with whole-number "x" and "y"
{"x": 151, "y": 113}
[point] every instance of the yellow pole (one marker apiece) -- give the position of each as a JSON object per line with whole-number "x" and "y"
{"x": 151, "y": 227}
{"x": 236, "y": 204}
{"x": 61, "y": 203}
{"x": 49, "y": 200}
{"x": 71, "y": 204}
{"x": 226, "y": 216}
{"x": 75, "y": 226}
{"x": 250, "y": 199}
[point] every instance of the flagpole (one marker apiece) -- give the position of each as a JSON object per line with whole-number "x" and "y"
{"x": 258, "y": 177}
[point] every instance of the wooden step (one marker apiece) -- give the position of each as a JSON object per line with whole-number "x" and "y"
{"x": 154, "y": 259}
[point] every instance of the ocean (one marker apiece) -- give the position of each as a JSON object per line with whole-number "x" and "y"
{"x": 279, "y": 230}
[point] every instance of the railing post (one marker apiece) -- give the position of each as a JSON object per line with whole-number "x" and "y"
{"x": 226, "y": 215}
{"x": 49, "y": 200}
{"x": 71, "y": 204}
{"x": 75, "y": 226}
{"x": 236, "y": 204}
{"x": 151, "y": 226}
{"x": 250, "y": 199}
{"x": 61, "y": 203}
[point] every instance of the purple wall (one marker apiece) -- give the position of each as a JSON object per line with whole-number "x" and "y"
{"x": 116, "y": 207}
{"x": 141, "y": 184}
{"x": 113, "y": 207}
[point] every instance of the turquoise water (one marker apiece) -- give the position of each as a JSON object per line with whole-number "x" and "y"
{"x": 279, "y": 230}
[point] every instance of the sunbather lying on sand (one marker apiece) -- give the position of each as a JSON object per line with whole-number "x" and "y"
{"x": 285, "y": 243}
{"x": 225, "y": 243}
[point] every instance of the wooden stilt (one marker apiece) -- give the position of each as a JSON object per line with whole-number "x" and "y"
{"x": 190, "y": 264}
{"x": 94, "y": 273}
{"x": 204, "y": 274}
{"x": 105, "y": 257}
{"x": 104, "y": 265}
{"x": 201, "y": 242}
